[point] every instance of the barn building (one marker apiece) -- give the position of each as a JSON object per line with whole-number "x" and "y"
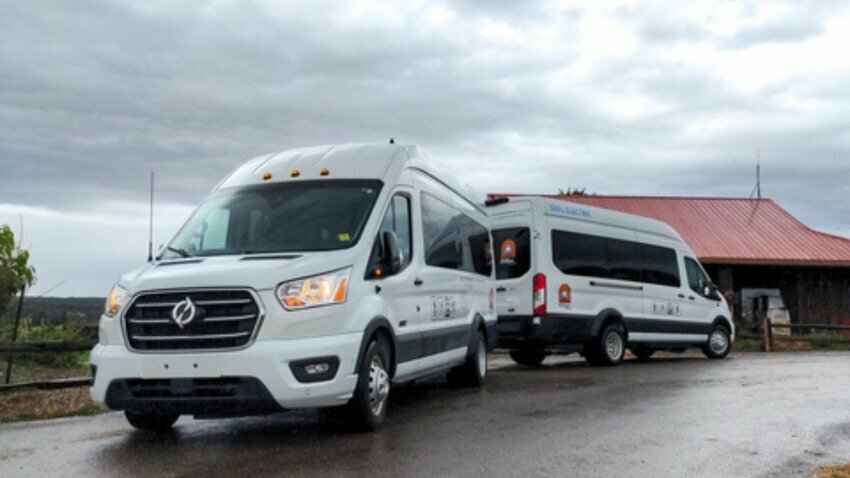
{"x": 762, "y": 258}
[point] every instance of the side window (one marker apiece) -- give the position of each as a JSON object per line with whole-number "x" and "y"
{"x": 439, "y": 230}
{"x": 475, "y": 243}
{"x": 579, "y": 254}
{"x": 660, "y": 266}
{"x": 454, "y": 240}
{"x": 623, "y": 259}
{"x": 696, "y": 277}
{"x": 513, "y": 252}
{"x": 397, "y": 220}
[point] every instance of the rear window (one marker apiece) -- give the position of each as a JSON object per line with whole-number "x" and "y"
{"x": 513, "y": 252}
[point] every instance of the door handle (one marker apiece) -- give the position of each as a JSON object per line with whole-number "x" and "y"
{"x": 681, "y": 296}
{"x": 417, "y": 281}
{"x": 690, "y": 297}
{"x": 500, "y": 289}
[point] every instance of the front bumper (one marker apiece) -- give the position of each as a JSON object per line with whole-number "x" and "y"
{"x": 267, "y": 361}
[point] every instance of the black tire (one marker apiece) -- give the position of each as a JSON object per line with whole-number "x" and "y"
{"x": 642, "y": 353}
{"x": 368, "y": 406}
{"x": 151, "y": 423}
{"x": 718, "y": 344}
{"x": 528, "y": 357}
{"x": 607, "y": 349}
{"x": 473, "y": 373}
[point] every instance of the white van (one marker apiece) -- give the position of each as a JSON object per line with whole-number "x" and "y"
{"x": 315, "y": 277}
{"x": 573, "y": 278}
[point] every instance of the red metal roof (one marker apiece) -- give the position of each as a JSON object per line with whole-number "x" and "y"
{"x": 733, "y": 231}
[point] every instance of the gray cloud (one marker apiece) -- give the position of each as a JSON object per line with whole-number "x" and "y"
{"x": 94, "y": 95}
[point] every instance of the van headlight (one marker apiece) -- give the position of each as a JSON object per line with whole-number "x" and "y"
{"x": 115, "y": 301}
{"x": 324, "y": 289}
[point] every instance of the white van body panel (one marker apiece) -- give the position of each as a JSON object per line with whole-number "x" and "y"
{"x": 652, "y": 313}
{"x": 422, "y": 343}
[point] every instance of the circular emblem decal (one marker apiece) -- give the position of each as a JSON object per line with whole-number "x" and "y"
{"x": 565, "y": 295}
{"x": 507, "y": 253}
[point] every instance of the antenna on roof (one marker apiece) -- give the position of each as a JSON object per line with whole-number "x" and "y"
{"x": 150, "y": 223}
{"x": 392, "y": 141}
{"x": 757, "y": 188}
{"x": 758, "y": 173}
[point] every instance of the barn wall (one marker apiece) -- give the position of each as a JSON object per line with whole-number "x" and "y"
{"x": 811, "y": 294}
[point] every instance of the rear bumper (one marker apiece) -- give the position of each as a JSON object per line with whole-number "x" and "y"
{"x": 521, "y": 331}
{"x": 257, "y": 379}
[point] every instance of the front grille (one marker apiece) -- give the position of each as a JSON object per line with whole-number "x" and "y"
{"x": 223, "y": 319}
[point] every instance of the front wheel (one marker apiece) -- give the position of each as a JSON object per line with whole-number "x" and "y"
{"x": 368, "y": 406}
{"x": 474, "y": 371}
{"x": 608, "y": 349}
{"x": 151, "y": 423}
{"x": 719, "y": 344}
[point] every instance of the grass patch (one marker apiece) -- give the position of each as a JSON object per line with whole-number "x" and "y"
{"x": 44, "y": 404}
{"x": 747, "y": 345}
{"x": 833, "y": 471}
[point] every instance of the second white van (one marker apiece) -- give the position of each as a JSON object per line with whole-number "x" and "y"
{"x": 573, "y": 278}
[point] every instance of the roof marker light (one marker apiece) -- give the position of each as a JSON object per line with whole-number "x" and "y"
{"x": 324, "y": 172}
{"x": 266, "y": 176}
{"x": 295, "y": 173}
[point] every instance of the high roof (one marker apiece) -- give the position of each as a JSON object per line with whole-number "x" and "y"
{"x": 733, "y": 231}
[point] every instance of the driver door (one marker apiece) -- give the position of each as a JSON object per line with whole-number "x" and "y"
{"x": 398, "y": 292}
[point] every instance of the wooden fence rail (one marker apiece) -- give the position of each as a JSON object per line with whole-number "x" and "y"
{"x": 49, "y": 384}
{"x": 769, "y": 339}
{"x": 15, "y": 349}
{"x": 21, "y": 348}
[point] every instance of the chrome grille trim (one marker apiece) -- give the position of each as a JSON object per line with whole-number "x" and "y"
{"x": 192, "y": 337}
{"x": 227, "y": 319}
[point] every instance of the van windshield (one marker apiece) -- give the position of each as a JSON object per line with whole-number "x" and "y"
{"x": 513, "y": 252}
{"x": 282, "y": 217}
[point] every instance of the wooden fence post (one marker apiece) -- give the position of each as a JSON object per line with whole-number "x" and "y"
{"x": 768, "y": 335}
{"x": 15, "y": 333}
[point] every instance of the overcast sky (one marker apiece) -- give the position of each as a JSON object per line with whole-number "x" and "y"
{"x": 643, "y": 98}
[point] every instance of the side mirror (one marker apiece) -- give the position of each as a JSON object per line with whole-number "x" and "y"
{"x": 392, "y": 256}
{"x": 710, "y": 290}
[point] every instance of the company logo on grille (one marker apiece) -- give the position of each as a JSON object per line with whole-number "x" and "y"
{"x": 183, "y": 312}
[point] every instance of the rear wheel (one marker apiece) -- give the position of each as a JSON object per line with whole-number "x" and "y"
{"x": 368, "y": 406}
{"x": 528, "y": 357}
{"x": 151, "y": 423}
{"x": 474, "y": 371}
{"x": 642, "y": 353}
{"x": 719, "y": 344}
{"x": 608, "y": 348}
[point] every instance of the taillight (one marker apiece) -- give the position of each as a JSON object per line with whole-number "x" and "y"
{"x": 539, "y": 294}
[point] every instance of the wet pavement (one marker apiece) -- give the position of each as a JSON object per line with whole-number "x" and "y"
{"x": 750, "y": 415}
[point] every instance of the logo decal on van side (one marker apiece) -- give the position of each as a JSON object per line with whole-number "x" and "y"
{"x": 565, "y": 296}
{"x": 569, "y": 211}
{"x": 665, "y": 308}
{"x": 444, "y": 307}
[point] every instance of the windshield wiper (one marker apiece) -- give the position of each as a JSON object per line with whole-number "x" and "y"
{"x": 182, "y": 252}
